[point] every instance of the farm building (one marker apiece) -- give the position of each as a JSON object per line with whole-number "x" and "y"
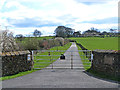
{"x": 87, "y": 34}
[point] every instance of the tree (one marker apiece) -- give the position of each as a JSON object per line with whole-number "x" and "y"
{"x": 112, "y": 32}
{"x": 19, "y": 36}
{"x": 91, "y": 32}
{"x": 62, "y": 31}
{"x": 77, "y": 34}
{"x": 104, "y": 33}
{"x": 37, "y": 33}
{"x": 8, "y": 42}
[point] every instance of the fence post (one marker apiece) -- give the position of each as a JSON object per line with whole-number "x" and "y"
{"x": 91, "y": 57}
{"x": 50, "y": 59}
{"x": 71, "y": 60}
{"x": 32, "y": 59}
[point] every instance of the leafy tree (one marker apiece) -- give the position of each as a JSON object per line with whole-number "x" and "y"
{"x": 19, "y": 36}
{"x": 37, "y": 33}
{"x": 62, "y": 31}
{"x": 92, "y": 30}
{"x": 104, "y": 33}
{"x": 112, "y": 32}
{"x": 77, "y": 34}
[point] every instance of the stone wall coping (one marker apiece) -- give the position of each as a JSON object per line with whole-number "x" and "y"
{"x": 107, "y": 51}
{"x": 14, "y": 53}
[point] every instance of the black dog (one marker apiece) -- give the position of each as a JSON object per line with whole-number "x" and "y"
{"x": 62, "y": 56}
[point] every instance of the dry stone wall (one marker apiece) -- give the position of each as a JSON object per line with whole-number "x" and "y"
{"x": 106, "y": 62}
{"x": 15, "y": 62}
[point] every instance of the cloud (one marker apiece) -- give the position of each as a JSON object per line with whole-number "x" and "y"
{"x": 57, "y": 8}
{"x": 111, "y": 20}
{"x": 90, "y": 2}
{"x": 48, "y": 14}
{"x": 31, "y": 22}
{"x": 46, "y": 31}
{"x": 2, "y": 2}
{"x": 13, "y": 4}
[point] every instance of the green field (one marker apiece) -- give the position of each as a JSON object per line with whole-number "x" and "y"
{"x": 38, "y": 38}
{"x": 92, "y": 43}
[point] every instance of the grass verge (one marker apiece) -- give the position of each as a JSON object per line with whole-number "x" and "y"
{"x": 17, "y": 75}
{"x": 84, "y": 59}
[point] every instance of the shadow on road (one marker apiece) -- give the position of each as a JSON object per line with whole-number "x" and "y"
{"x": 88, "y": 73}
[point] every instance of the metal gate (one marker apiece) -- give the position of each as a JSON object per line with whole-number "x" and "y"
{"x": 80, "y": 59}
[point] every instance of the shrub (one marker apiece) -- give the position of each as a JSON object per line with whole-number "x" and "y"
{"x": 36, "y": 44}
{"x": 30, "y": 44}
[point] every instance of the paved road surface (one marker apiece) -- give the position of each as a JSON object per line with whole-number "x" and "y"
{"x": 60, "y": 78}
{"x": 77, "y": 64}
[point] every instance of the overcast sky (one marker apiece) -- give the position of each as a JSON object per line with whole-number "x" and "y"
{"x": 24, "y": 16}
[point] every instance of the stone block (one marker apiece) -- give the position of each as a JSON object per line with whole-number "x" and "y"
{"x": 108, "y": 59}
